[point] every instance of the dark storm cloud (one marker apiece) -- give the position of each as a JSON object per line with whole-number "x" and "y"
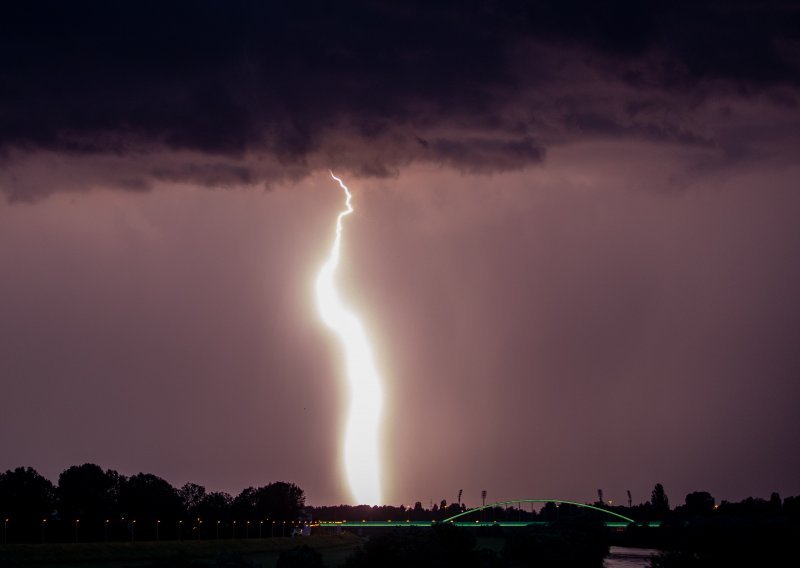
{"x": 616, "y": 305}
{"x": 480, "y": 155}
{"x": 277, "y": 89}
{"x": 219, "y": 174}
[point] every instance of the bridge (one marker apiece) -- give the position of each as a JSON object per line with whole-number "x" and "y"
{"x": 616, "y": 521}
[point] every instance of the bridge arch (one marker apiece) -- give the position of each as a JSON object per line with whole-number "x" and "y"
{"x": 557, "y": 501}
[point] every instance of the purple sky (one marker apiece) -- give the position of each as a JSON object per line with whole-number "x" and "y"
{"x": 575, "y": 247}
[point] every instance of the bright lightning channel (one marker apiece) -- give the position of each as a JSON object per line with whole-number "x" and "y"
{"x": 361, "y": 456}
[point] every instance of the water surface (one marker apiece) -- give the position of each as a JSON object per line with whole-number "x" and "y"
{"x": 623, "y": 557}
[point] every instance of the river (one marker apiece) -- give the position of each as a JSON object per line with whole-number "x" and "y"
{"x": 623, "y": 557}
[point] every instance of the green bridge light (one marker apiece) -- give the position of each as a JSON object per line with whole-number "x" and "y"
{"x": 559, "y": 501}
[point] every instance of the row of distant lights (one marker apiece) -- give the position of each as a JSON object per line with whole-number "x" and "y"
{"x": 316, "y": 524}
{"x": 199, "y": 521}
{"x": 8, "y": 520}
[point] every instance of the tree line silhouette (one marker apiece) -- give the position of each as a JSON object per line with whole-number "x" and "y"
{"x": 90, "y": 504}
{"x": 697, "y": 504}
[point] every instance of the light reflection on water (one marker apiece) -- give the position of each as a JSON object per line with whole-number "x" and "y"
{"x": 623, "y": 557}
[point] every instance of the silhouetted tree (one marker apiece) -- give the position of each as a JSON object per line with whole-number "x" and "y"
{"x": 279, "y": 501}
{"x": 659, "y": 501}
{"x": 775, "y": 503}
{"x": 791, "y": 507}
{"x": 244, "y": 504}
{"x": 739, "y": 534}
{"x": 215, "y": 506}
{"x": 148, "y": 497}
{"x": 26, "y": 498}
{"x": 191, "y": 496}
{"x": 750, "y": 507}
{"x": 549, "y": 512}
{"x": 699, "y": 503}
{"x": 88, "y": 493}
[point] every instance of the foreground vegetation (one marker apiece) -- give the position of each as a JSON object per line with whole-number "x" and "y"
{"x": 238, "y": 552}
{"x": 561, "y": 544}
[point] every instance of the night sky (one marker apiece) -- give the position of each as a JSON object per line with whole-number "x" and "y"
{"x": 576, "y": 243}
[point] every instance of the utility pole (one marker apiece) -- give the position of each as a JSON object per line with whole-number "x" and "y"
{"x": 630, "y": 501}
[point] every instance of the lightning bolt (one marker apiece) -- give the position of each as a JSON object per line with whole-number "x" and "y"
{"x": 361, "y": 456}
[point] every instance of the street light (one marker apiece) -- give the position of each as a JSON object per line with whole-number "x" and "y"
{"x": 157, "y": 524}
{"x": 233, "y": 530}
{"x": 260, "y": 524}
{"x": 44, "y": 525}
{"x": 105, "y": 531}
{"x": 247, "y": 529}
{"x": 199, "y": 522}
{"x": 77, "y": 525}
{"x": 218, "y": 530}
{"x": 5, "y": 532}
{"x": 179, "y": 529}
{"x": 133, "y": 530}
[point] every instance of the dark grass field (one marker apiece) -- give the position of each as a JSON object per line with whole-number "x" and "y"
{"x": 257, "y": 552}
